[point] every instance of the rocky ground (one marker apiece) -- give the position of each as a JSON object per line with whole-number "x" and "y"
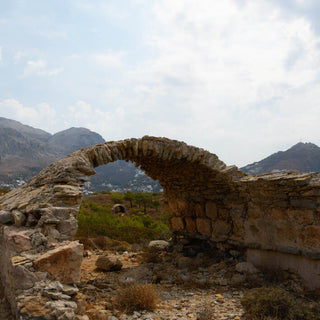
{"x": 183, "y": 293}
{"x": 190, "y": 283}
{"x": 202, "y": 287}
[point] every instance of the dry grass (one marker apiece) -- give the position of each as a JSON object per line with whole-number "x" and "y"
{"x": 279, "y": 304}
{"x": 136, "y": 297}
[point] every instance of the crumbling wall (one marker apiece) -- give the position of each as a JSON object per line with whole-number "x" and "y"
{"x": 275, "y": 213}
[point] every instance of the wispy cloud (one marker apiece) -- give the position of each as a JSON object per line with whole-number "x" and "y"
{"x": 40, "y": 68}
{"x": 41, "y": 116}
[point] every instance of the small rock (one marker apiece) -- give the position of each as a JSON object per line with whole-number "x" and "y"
{"x": 136, "y": 314}
{"x": 189, "y": 294}
{"x": 159, "y": 244}
{"x": 19, "y": 218}
{"x": 62, "y": 263}
{"x": 81, "y": 317}
{"x": 69, "y": 290}
{"x": 19, "y": 241}
{"x": 108, "y": 263}
{"x": 246, "y": 267}
{"x": 56, "y": 295}
{"x": 54, "y": 286}
{"x": 69, "y": 315}
{"x": 5, "y": 217}
{"x": 23, "y": 278}
{"x": 38, "y": 239}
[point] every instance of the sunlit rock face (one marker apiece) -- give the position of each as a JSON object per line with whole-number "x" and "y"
{"x": 205, "y": 199}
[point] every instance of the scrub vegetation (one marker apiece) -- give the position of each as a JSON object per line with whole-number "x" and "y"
{"x": 143, "y": 219}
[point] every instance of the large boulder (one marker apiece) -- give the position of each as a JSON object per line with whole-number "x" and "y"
{"x": 62, "y": 263}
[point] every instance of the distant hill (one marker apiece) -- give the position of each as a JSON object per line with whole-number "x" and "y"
{"x": 303, "y": 157}
{"x": 24, "y": 151}
{"x": 73, "y": 139}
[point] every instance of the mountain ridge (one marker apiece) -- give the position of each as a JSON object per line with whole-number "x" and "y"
{"x": 303, "y": 157}
{"x": 25, "y": 151}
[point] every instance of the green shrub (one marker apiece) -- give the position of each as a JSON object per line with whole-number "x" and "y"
{"x": 275, "y": 302}
{"x": 116, "y": 197}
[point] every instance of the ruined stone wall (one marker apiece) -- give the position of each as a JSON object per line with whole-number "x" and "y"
{"x": 206, "y": 199}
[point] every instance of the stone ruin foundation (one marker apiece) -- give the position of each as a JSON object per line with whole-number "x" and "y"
{"x": 274, "y": 218}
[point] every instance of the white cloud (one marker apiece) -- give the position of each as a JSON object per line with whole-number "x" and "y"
{"x": 41, "y": 116}
{"x": 224, "y": 74}
{"x": 0, "y": 53}
{"x": 40, "y": 68}
{"x": 110, "y": 124}
{"x": 109, "y": 59}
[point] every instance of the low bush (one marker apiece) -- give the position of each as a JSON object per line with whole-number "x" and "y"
{"x": 96, "y": 220}
{"x": 277, "y": 303}
{"x": 136, "y": 297}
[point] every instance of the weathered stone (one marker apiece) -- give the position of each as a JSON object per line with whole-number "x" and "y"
{"x": 63, "y": 263}
{"x": 198, "y": 210}
{"x": 36, "y": 307}
{"x": 51, "y": 233}
{"x": 159, "y": 244}
{"x": 177, "y": 224}
{"x": 38, "y": 239}
{"x": 304, "y": 203}
{"x": 204, "y": 226}
{"x": 69, "y": 315}
{"x": 56, "y": 295}
{"x": 19, "y": 218}
{"x": 223, "y": 213}
{"x": 246, "y": 267}
{"x": 69, "y": 290}
{"x": 108, "y": 263}
{"x": 220, "y": 228}
{"x": 190, "y": 225}
{"x": 23, "y": 278}
{"x": 5, "y": 217}
{"x": 68, "y": 227}
{"x": 211, "y": 210}
{"x": 18, "y": 241}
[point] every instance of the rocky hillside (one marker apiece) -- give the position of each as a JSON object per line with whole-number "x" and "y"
{"x": 26, "y": 150}
{"x": 304, "y": 157}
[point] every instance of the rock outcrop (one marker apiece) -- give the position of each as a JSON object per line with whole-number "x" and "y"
{"x": 272, "y": 213}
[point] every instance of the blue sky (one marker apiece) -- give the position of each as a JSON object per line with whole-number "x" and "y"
{"x": 239, "y": 78}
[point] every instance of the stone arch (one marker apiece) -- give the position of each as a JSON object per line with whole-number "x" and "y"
{"x": 119, "y": 208}
{"x": 275, "y": 217}
{"x": 191, "y": 177}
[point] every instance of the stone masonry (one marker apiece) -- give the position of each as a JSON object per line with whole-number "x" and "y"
{"x": 270, "y": 216}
